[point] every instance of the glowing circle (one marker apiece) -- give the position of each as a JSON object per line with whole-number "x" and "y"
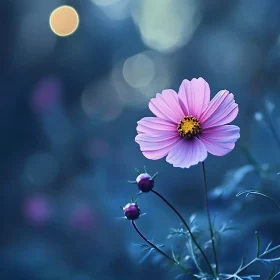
{"x": 138, "y": 70}
{"x": 64, "y": 21}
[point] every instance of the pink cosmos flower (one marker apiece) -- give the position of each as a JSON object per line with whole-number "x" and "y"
{"x": 188, "y": 125}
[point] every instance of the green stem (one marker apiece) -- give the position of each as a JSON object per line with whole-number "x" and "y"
{"x": 187, "y": 227}
{"x": 253, "y": 261}
{"x": 209, "y": 219}
{"x": 151, "y": 244}
{"x": 160, "y": 251}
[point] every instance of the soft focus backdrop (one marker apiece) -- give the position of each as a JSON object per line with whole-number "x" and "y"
{"x": 69, "y": 108}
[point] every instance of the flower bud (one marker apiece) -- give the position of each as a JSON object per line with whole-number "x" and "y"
{"x": 145, "y": 182}
{"x": 131, "y": 211}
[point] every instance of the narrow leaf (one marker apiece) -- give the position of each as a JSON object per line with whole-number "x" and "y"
{"x": 247, "y": 192}
{"x": 154, "y": 176}
{"x": 138, "y": 171}
{"x": 268, "y": 246}
{"x": 146, "y": 255}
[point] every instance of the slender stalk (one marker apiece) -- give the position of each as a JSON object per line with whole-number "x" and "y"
{"x": 151, "y": 244}
{"x": 188, "y": 228}
{"x": 161, "y": 252}
{"x": 247, "y": 192}
{"x": 253, "y": 261}
{"x": 209, "y": 219}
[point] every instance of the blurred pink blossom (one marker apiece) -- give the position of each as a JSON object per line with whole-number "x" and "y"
{"x": 82, "y": 218}
{"x": 37, "y": 209}
{"x": 46, "y": 94}
{"x": 98, "y": 147}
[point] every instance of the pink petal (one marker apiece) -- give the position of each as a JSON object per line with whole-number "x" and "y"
{"x": 222, "y": 109}
{"x": 195, "y": 96}
{"x": 154, "y": 125}
{"x": 187, "y": 153}
{"x": 220, "y": 140}
{"x": 166, "y": 106}
{"x": 157, "y": 146}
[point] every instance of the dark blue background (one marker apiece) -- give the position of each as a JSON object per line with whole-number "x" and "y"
{"x": 68, "y": 123}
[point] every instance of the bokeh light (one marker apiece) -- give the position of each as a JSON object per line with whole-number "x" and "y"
{"x": 114, "y": 9}
{"x": 166, "y": 25}
{"x": 82, "y": 218}
{"x": 99, "y": 100}
{"x": 37, "y": 209}
{"x": 105, "y": 3}
{"x": 138, "y": 70}
{"x": 46, "y": 94}
{"x": 64, "y": 21}
{"x": 140, "y": 77}
{"x": 215, "y": 46}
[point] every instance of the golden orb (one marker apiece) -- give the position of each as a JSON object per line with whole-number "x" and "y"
{"x": 64, "y": 21}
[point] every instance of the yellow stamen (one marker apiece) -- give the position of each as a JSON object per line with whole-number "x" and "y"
{"x": 189, "y": 127}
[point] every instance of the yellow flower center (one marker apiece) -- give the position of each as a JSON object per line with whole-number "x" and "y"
{"x": 189, "y": 127}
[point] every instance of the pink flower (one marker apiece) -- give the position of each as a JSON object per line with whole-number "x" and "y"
{"x": 188, "y": 125}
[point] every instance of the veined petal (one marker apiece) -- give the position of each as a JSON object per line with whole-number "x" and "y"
{"x": 155, "y": 125}
{"x": 220, "y": 140}
{"x": 156, "y": 146}
{"x": 187, "y": 153}
{"x": 157, "y": 154}
{"x": 195, "y": 96}
{"x": 166, "y": 106}
{"x": 222, "y": 109}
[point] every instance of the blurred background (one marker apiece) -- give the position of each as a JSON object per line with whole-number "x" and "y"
{"x": 69, "y": 108}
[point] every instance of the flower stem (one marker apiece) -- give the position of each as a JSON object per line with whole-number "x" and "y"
{"x": 151, "y": 244}
{"x": 186, "y": 270}
{"x": 253, "y": 261}
{"x": 188, "y": 228}
{"x": 209, "y": 219}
